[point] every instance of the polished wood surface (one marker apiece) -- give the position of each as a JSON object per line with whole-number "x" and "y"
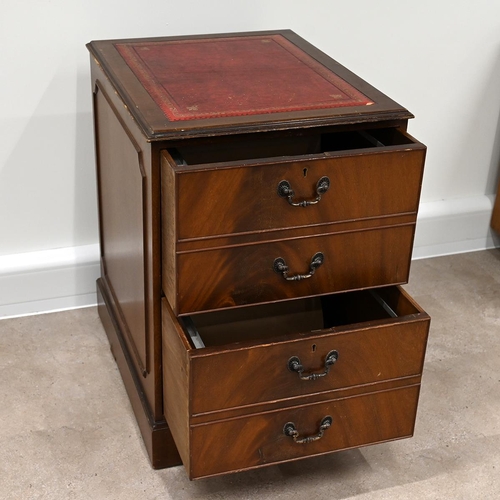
{"x": 222, "y": 205}
{"x": 155, "y": 432}
{"x": 176, "y": 378}
{"x": 190, "y": 226}
{"x": 258, "y": 439}
{"x": 243, "y": 275}
{"x": 372, "y": 347}
{"x": 241, "y": 196}
{"x": 169, "y": 217}
{"x": 122, "y": 224}
{"x": 133, "y": 287}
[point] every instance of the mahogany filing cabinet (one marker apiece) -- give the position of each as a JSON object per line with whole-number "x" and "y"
{"x": 257, "y": 207}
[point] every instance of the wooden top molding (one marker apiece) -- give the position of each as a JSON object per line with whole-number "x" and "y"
{"x": 206, "y": 85}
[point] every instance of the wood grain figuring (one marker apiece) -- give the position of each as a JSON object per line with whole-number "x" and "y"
{"x": 229, "y": 277}
{"x": 345, "y": 392}
{"x": 231, "y": 200}
{"x": 190, "y": 225}
{"x": 218, "y": 242}
{"x": 370, "y": 349}
{"x": 258, "y": 440}
{"x": 366, "y": 355}
{"x": 495, "y": 218}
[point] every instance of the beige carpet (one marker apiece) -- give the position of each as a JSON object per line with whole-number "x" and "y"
{"x": 67, "y": 430}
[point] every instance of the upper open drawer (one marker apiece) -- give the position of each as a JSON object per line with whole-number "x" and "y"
{"x": 265, "y": 182}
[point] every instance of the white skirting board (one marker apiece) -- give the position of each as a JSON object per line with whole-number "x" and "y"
{"x": 454, "y": 226}
{"x": 48, "y": 281}
{"x": 54, "y": 280}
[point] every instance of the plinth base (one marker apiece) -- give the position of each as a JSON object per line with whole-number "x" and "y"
{"x": 156, "y": 434}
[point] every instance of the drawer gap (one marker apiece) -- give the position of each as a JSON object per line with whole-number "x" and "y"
{"x": 299, "y": 317}
{"x": 270, "y": 146}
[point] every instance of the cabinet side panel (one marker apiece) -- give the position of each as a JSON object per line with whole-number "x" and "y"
{"x": 122, "y": 184}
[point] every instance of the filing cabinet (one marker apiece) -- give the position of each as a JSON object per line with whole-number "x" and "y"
{"x": 257, "y": 207}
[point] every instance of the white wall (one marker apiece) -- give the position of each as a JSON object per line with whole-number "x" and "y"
{"x": 441, "y": 60}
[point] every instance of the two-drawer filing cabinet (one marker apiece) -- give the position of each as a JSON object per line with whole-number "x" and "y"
{"x": 257, "y": 204}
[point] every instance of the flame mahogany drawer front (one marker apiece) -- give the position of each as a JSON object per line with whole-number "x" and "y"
{"x": 250, "y": 274}
{"x": 255, "y": 184}
{"x": 288, "y": 355}
{"x": 257, "y": 211}
{"x": 227, "y": 222}
{"x": 259, "y": 439}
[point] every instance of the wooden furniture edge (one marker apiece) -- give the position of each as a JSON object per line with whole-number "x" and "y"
{"x": 495, "y": 218}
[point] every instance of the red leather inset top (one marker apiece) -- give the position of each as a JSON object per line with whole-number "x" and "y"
{"x": 235, "y": 76}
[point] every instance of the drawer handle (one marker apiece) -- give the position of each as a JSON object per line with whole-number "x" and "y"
{"x": 291, "y": 431}
{"x": 294, "y": 365}
{"x": 280, "y": 267}
{"x": 285, "y": 191}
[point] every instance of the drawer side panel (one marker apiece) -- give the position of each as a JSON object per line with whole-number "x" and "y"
{"x": 169, "y": 234}
{"x": 176, "y": 383}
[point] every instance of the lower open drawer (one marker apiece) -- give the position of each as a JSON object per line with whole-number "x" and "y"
{"x": 240, "y": 365}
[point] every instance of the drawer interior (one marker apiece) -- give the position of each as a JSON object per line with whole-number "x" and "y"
{"x": 269, "y": 146}
{"x": 286, "y": 319}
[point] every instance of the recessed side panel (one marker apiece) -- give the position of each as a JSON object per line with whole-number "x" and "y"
{"x": 122, "y": 185}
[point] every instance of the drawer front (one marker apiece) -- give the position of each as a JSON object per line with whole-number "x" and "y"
{"x": 244, "y": 199}
{"x": 364, "y": 356}
{"x": 374, "y": 338}
{"x": 258, "y": 440}
{"x": 237, "y": 276}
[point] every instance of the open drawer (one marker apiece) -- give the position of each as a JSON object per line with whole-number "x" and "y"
{"x": 228, "y": 364}
{"x": 263, "y": 182}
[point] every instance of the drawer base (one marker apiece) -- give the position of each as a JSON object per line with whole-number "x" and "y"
{"x": 155, "y": 433}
